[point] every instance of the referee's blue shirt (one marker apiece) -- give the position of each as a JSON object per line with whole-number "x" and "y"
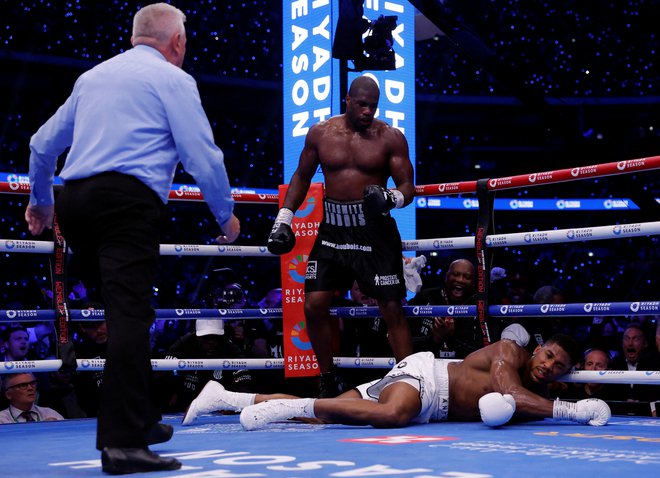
{"x": 134, "y": 114}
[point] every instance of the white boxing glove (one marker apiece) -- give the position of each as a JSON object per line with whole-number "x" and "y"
{"x": 517, "y": 333}
{"x": 496, "y": 409}
{"x": 593, "y": 411}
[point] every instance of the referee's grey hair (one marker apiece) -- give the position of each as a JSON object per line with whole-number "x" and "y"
{"x": 158, "y": 21}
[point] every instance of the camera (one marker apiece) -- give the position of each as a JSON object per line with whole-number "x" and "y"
{"x": 378, "y": 46}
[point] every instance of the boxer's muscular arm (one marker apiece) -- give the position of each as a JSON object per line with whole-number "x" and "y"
{"x": 508, "y": 359}
{"x": 302, "y": 177}
{"x": 401, "y": 168}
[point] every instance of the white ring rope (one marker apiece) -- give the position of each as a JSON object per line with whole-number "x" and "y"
{"x": 164, "y": 365}
{"x": 514, "y": 310}
{"x": 498, "y": 240}
{"x": 553, "y": 236}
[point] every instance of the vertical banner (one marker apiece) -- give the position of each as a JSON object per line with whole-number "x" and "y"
{"x": 311, "y": 82}
{"x": 307, "y": 73}
{"x": 299, "y": 358}
{"x": 311, "y": 93}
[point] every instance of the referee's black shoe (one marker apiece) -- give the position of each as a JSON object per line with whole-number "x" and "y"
{"x": 122, "y": 461}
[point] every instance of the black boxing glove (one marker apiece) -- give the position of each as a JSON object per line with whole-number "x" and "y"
{"x": 281, "y": 239}
{"x": 379, "y": 200}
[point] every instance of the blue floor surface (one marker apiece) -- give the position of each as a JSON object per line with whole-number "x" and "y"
{"x": 217, "y": 446}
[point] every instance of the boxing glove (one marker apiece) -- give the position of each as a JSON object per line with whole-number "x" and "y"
{"x": 496, "y": 409}
{"x": 517, "y": 333}
{"x": 281, "y": 239}
{"x": 593, "y": 411}
{"x": 379, "y": 200}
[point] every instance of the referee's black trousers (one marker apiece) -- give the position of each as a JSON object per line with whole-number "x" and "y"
{"x": 111, "y": 223}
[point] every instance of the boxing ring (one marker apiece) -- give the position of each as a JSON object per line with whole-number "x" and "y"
{"x": 216, "y": 446}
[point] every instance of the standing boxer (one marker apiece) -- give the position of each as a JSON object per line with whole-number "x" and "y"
{"x": 358, "y": 239}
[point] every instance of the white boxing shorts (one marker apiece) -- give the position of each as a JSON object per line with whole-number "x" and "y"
{"x": 424, "y": 372}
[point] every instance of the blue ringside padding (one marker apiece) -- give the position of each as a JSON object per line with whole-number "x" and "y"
{"x": 216, "y": 446}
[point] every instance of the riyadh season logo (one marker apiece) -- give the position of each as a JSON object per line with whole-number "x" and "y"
{"x": 307, "y": 209}
{"x": 527, "y": 238}
{"x": 588, "y": 306}
{"x": 504, "y": 309}
{"x": 634, "y": 306}
{"x": 544, "y": 308}
{"x": 570, "y": 234}
{"x": 10, "y": 244}
{"x": 11, "y": 314}
{"x": 616, "y": 229}
{"x": 450, "y": 310}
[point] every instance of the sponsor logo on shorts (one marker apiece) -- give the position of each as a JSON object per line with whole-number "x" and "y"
{"x": 310, "y": 272}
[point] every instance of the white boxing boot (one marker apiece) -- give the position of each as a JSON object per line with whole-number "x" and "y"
{"x": 214, "y": 397}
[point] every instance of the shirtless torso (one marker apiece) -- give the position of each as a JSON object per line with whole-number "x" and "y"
{"x": 351, "y": 159}
{"x": 504, "y": 367}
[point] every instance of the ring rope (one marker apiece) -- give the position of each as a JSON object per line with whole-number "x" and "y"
{"x": 164, "y": 365}
{"x": 20, "y": 183}
{"x": 512, "y": 310}
{"x": 552, "y": 236}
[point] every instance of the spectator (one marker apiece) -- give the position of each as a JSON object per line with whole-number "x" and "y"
{"x": 270, "y": 342}
{"x": 594, "y": 359}
{"x": 605, "y": 333}
{"x": 635, "y": 356}
{"x": 448, "y": 337}
{"x": 91, "y": 343}
{"x": 16, "y": 343}
{"x": 207, "y": 342}
{"x": 21, "y": 391}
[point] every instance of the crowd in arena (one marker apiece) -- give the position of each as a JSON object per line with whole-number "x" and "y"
{"x": 572, "y": 49}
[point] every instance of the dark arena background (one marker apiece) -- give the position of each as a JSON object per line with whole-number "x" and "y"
{"x": 537, "y": 86}
{"x": 503, "y": 88}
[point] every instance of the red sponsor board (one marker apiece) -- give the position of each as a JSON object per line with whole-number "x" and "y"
{"x": 299, "y": 357}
